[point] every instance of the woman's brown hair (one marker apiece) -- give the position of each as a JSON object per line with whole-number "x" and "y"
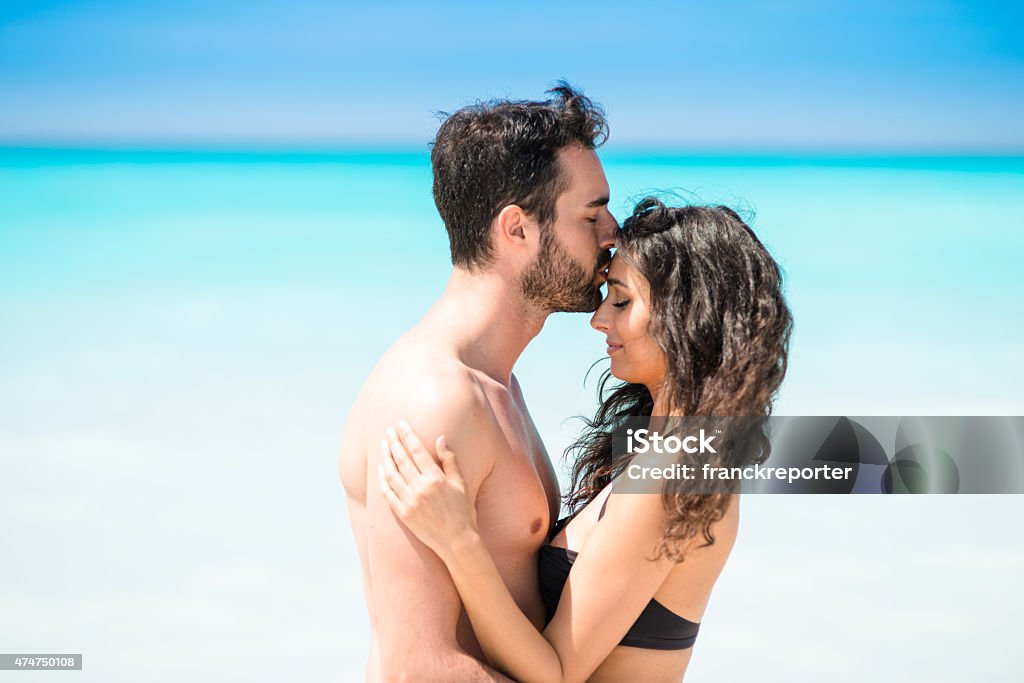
{"x": 719, "y": 315}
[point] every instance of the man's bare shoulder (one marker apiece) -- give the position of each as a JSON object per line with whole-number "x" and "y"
{"x": 432, "y": 383}
{"x": 436, "y": 394}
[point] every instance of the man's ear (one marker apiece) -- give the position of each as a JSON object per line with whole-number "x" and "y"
{"x": 512, "y": 224}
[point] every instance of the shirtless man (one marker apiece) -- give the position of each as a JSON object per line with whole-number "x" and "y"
{"x": 525, "y": 202}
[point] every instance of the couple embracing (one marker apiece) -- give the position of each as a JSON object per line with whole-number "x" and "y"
{"x": 468, "y": 573}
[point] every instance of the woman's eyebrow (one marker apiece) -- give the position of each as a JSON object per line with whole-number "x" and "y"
{"x": 617, "y": 283}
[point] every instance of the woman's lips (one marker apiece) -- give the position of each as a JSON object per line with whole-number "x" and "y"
{"x": 612, "y": 348}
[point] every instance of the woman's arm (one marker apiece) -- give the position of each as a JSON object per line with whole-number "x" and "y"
{"x": 431, "y": 501}
{"x": 612, "y": 579}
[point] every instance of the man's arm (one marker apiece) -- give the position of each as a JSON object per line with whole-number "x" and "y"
{"x": 415, "y": 603}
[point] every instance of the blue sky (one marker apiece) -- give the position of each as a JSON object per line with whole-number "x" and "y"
{"x": 926, "y": 75}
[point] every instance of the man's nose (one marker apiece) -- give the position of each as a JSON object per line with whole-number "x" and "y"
{"x": 609, "y": 229}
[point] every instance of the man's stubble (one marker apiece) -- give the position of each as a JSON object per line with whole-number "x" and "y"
{"x": 556, "y": 283}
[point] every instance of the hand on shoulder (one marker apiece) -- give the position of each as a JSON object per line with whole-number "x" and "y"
{"x": 428, "y": 496}
{"x": 448, "y": 400}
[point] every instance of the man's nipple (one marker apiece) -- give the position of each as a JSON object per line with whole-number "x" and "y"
{"x": 535, "y": 527}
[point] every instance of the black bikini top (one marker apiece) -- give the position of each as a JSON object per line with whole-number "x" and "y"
{"x": 657, "y": 627}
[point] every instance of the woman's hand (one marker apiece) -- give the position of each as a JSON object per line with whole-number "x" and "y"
{"x": 430, "y": 500}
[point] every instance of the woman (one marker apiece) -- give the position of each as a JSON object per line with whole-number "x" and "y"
{"x": 696, "y": 325}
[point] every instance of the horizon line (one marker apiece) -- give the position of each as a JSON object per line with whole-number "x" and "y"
{"x": 328, "y": 149}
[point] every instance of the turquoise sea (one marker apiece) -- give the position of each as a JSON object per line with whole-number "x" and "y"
{"x": 182, "y": 332}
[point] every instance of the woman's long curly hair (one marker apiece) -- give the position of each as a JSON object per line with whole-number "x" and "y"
{"x": 719, "y": 315}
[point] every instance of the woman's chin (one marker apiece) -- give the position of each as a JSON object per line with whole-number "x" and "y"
{"x": 619, "y": 374}
{"x": 628, "y": 375}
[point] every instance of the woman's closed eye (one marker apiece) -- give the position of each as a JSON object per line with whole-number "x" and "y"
{"x": 621, "y": 304}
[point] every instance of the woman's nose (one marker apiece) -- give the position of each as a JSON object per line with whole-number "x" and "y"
{"x": 598, "y": 322}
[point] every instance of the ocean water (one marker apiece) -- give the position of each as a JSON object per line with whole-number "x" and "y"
{"x": 181, "y": 334}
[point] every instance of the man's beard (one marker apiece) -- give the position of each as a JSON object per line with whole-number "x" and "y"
{"x": 556, "y": 283}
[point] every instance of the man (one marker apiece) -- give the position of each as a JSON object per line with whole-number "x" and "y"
{"x": 525, "y": 203}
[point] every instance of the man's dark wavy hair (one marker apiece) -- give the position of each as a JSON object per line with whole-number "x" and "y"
{"x": 719, "y": 315}
{"x": 496, "y": 153}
